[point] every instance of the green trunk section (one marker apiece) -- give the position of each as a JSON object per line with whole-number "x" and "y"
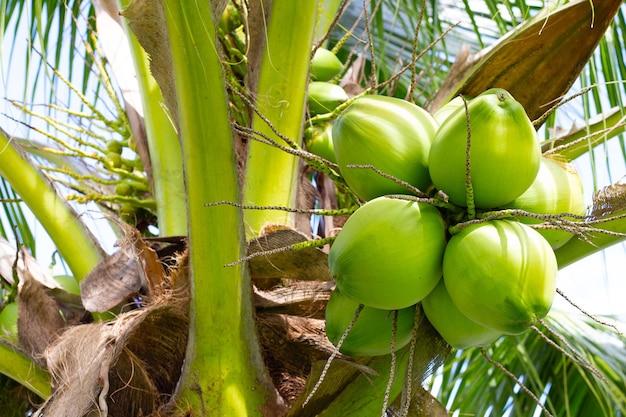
{"x": 71, "y": 237}
{"x": 165, "y": 154}
{"x": 22, "y": 369}
{"x": 271, "y": 174}
{"x": 364, "y": 397}
{"x": 223, "y": 373}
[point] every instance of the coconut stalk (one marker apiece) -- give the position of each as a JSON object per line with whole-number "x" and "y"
{"x": 609, "y": 208}
{"x": 154, "y": 131}
{"x": 326, "y": 12}
{"x": 76, "y": 244}
{"x": 21, "y": 368}
{"x": 223, "y": 373}
{"x": 271, "y": 174}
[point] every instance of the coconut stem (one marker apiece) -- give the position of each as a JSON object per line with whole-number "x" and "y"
{"x": 357, "y": 312}
{"x": 318, "y": 243}
{"x": 574, "y": 356}
{"x": 319, "y": 212}
{"x": 392, "y": 369}
{"x": 469, "y": 190}
{"x": 586, "y": 313}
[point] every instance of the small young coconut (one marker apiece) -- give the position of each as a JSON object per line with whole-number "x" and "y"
{"x": 324, "y": 97}
{"x": 319, "y": 141}
{"x": 325, "y": 65}
{"x": 8, "y": 322}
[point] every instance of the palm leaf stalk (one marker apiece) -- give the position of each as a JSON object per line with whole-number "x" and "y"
{"x": 223, "y": 361}
{"x": 160, "y": 132}
{"x": 554, "y": 377}
{"x": 72, "y": 238}
{"x": 20, "y": 367}
{"x": 271, "y": 174}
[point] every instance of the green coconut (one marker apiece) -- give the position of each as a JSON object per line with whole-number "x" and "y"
{"x": 389, "y": 253}
{"x": 504, "y": 155}
{"x": 319, "y": 141}
{"x": 556, "y": 190}
{"x": 501, "y": 274}
{"x": 390, "y": 134}
{"x": 325, "y": 65}
{"x": 455, "y": 327}
{"x": 324, "y": 97}
{"x": 447, "y": 109}
{"x": 8, "y": 322}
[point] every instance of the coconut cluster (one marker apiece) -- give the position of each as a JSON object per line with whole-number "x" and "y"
{"x": 426, "y": 233}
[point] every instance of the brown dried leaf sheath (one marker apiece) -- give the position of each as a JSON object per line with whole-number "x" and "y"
{"x": 42, "y": 317}
{"x": 609, "y": 201}
{"x": 305, "y": 264}
{"x": 549, "y": 50}
{"x": 128, "y": 367}
{"x": 147, "y": 21}
{"x": 134, "y": 269}
{"x": 111, "y": 282}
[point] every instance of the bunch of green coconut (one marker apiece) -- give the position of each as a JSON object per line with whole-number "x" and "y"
{"x": 449, "y": 221}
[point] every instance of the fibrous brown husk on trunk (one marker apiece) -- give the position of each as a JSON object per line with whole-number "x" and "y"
{"x": 128, "y": 366}
{"x": 43, "y": 312}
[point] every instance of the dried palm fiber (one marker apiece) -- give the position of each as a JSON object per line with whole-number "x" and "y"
{"x": 127, "y": 273}
{"x": 129, "y": 366}
{"x": 45, "y": 309}
{"x": 609, "y": 201}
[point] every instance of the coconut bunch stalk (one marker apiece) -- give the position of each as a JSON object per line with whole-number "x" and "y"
{"x": 70, "y": 235}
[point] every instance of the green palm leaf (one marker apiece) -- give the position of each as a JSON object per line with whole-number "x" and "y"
{"x": 564, "y": 384}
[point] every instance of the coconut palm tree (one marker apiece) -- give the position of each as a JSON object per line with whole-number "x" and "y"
{"x": 182, "y": 124}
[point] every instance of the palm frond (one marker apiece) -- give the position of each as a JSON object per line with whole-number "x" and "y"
{"x": 48, "y": 22}
{"x": 14, "y": 221}
{"x": 564, "y": 384}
